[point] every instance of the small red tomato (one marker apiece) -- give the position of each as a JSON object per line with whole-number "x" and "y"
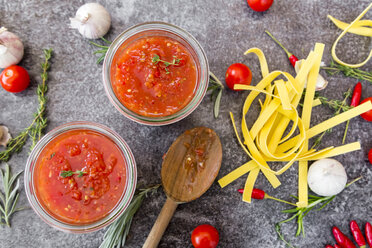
{"x": 260, "y": 5}
{"x": 370, "y": 156}
{"x": 14, "y": 79}
{"x": 367, "y": 115}
{"x": 238, "y": 74}
{"x": 204, "y": 236}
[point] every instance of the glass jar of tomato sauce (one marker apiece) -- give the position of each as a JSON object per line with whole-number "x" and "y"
{"x": 80, "y": 177}
{"x": 155, "y": 73}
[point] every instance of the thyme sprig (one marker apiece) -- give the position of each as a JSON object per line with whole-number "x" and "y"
{"x": 102, "y": 50}
{"x": 335, "y": 68}
{"x": 117, "y": 232}
{"x": 338, "y": 106}
{"x": 37, "y": 126}
{"x": 156, "y": 59}
{"x": 300, "y": 213}
{"x": 217, "y": 88}
{"x": 8, "y": 199}
{"x": 65, "y": 174}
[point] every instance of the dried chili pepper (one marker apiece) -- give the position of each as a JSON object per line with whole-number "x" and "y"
{"x": 329, "y": 246}
{"x": 368, "y": 230}
{"x": 260, "y": 195}
{"x": 293, "y": 59}
{"x": 357, "y": 234}
{"x": 342, "y": 239}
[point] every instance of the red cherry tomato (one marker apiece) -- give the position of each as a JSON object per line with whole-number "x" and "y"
{"x": 238, "y": 74}
{"x": 204, "y": 236}
{"x": 367, "y": 115}
{"x": 14, "y": 79}
{"x": 260, "y": 5}
{"x": 370, "y": 156}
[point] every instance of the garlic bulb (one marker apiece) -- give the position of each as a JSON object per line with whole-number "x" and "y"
{"x": 321, "y": 83}
{"x": 327, "y": 177}
{"x": 92, "y": 20}
{"x": 11, "y": 48}
{"x": 4, "y": 136}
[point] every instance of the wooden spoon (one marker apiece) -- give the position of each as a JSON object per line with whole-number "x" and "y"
{"x": 188, "y": 170}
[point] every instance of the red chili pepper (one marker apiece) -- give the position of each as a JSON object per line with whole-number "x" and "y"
{"x": 357, "y": 94}
{"x": 370, "y": 156}
{"x": 337, "y": 246}
{"x": 357, "y": 234}
{"x": 341, "y": 238}
{"x": 329, "y": 246}
{"x": 293, "y": 59}
{"x": 368, "y": 229}
{"x": 260, "y": 194}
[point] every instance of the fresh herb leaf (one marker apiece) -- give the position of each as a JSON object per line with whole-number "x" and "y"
{"x": 8, "y": 199}
{"x": 216, "y": 87}
{"x": 156, "y": 59}
{"x": 65, "y": 174}
{"x": 52, "y": 155}
{"x": 117, "y": 232}
{"x": 101, "y": 49}
{"x": 348, "y": 71}
{"x": 39, "y": 123}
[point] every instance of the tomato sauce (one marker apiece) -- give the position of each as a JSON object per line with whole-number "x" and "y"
{"x": 84, "y": 198}
{"x": 154, "y": 76}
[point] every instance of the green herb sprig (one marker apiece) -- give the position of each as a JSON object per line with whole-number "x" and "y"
{"x": 9, "y": 199}
{"x": 348, "y": 71}
{"x": 338, "y": 106}
{"x": 117, "y": 232}
{"x": 156, "y": 59}
{"x": 217, "y": 88}
{"x": 102, "y": 50}
{"x": 300, "y": 213}
{"x": 37, "y": 126}
{"x": 65, "y": 174}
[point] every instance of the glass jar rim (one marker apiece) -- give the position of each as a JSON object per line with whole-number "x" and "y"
{"x": 121, "y": 205}
{"x": 202, "y": 83}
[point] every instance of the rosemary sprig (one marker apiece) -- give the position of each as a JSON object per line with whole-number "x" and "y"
{"x": 9, "y": 199}
{"x": 35, "y": 129}
{"x": 65, "y": 174}
{"x": 156, "y": 59}
{"x": 300, "y": 213}
{"x": 102, "y": 50}
{"x": 336, "y": 105}
{"x": 348, "y": 72}
{"x": 216, "y": 87}
{"x": 117, "y": 232}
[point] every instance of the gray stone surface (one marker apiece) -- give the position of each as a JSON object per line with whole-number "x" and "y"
{"x": 225, "y": 29}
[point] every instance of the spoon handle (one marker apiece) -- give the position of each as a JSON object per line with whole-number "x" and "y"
{"x": 161, "y": 224}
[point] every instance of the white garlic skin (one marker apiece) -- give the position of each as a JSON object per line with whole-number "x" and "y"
{"x": 5, "y": 136}
{"x": 321, "y": 83}
{"x": 92, "y": 20}
{"x": 11, "y": 48}
{"x": 327, "y": 177}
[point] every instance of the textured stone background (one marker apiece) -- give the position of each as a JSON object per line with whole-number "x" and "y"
{"x": 225, "y": 29}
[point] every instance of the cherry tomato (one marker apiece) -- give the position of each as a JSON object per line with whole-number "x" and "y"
{"x": 260, "y": 5}
{"x": 370, "y": 156}
{"x": 204, "y": 236}
{"x": 238, "y": 74}
{"x": 367, "y": 115}
{"x": 14, "y": 79}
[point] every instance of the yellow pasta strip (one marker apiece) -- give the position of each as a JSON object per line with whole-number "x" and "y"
{"x": 358, "y": 28}
{"x": 283, "y": 94}
{"x": 249, "y": 184}
{"x": 235, "y": 174}
{"x": 349, "y": 27}
{"x": 316, "y": 102}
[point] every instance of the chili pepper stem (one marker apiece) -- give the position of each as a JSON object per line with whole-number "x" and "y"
{"x": 279, "y": 200}
{"x": 345, "y": 133}
{"x": 280, "y": 44}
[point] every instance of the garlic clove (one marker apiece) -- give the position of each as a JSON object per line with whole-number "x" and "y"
{"x": 11, "y": 48}
{"x": 5, "y": 136}
{"x": 92, "y": 20}
{"x": 321, "y": 83}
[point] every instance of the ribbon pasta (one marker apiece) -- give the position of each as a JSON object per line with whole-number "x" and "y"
{"x": 264, "y": 141}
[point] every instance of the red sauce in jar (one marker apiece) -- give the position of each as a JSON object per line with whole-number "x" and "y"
{"x": 95, "y": 188}
{"x": 154, "y": 76}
